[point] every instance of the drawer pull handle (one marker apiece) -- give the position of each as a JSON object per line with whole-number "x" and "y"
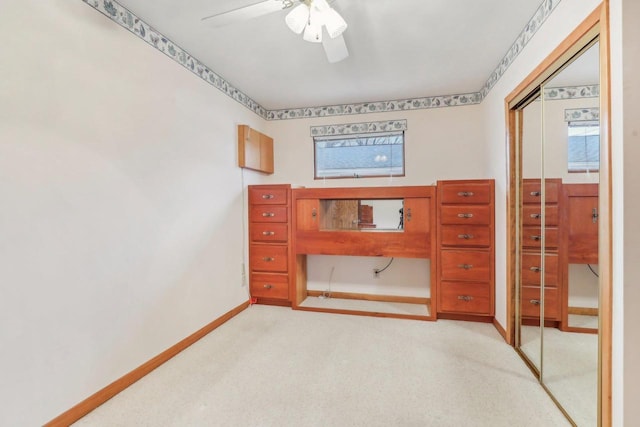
{"x": 465, "y": 236}
{"x": 465, "y": 297}
{"x": 536, "y": 238}
{"x": 465, "y": 215}
{"x": 535, "y": 193}
{"x": 268, "y": 259}
{"x": 268, "y": 214}
{"x": 465, "y": 266}
{"x": 268, "y": 233}
{"x": 536, "y": 216}
{"x": 268, "y": 196}
{"x": 314, "y": 213}
{"x": 535, "y": 269}
{"x": 268, "y": 286}
{"x": 535, "y": 301}
{"x": 465, "y": 194}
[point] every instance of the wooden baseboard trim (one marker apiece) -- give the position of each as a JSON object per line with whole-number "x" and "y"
{"x": 466, "y": 317}
{"x": 276, "y": 302}
{"x": 372, "y": 297}
{"x": 583, "y": 311}
{"x": 367, "y": 313}
{"x": 100, "y": 397}
{"x": 500, "y": 329}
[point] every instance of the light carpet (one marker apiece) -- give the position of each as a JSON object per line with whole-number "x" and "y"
{"x": 272, "y": 366}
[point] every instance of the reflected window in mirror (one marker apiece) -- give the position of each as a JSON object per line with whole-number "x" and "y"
{"x": 362, "y": 215}
{"x": 583, "y": 146}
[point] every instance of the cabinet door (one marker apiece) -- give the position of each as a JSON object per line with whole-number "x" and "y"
{"x": 266, "y": 153}
{"x": 416, "y": 215}
{"x": 255, "y": 150}
{"x": 307, "y": 214}
{"x": 583, "y": 229}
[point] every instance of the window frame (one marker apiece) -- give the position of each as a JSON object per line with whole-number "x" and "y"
{"x": 323, "y": 138}
{"x": 586, "y": 169}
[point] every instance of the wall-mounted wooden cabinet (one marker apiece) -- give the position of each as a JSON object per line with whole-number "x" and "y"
{"x": 255, "y": 150}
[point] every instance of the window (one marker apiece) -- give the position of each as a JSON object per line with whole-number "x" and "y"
{"x": 357, "y": 156}
{"x": 584, "y": 146}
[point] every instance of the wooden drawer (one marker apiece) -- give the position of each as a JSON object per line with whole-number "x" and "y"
{"x": 267, "y": 213}
{"x": 465, "y": 193}
{"x": 531, "y": 299}
{"x": 531, "y": 214}
{"x": 465, "y": 297}
{"x": 270, "y": 285}
{"x": 531, "y": 191}
{"x": 531, "y": 237}
{"x": 531, "y": 272}
{"x": 268, "y": 258}
{"x": 466, "y": 265}
{"x": 466, "y": 235}
{"x": 268, "y": 196}
{"x": 465, "y": 214}
{"x": 265, "y": 232}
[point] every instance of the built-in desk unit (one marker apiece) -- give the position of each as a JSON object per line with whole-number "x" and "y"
{"x": 341, "y": 221}
{"x": 450, "y": 226}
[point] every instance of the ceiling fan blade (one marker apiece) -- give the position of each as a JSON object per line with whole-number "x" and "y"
{"x": 245, "y": 13}
{"x": 335, "y": 49}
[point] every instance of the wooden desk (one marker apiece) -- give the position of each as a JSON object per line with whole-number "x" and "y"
{"x": 313, "y": 233}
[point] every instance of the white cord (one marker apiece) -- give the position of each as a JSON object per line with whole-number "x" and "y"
{"x": 245, "y": 216}
{"x": 327, "y": 293}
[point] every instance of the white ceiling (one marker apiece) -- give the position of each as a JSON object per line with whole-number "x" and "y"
{"x": 398, "y": 49}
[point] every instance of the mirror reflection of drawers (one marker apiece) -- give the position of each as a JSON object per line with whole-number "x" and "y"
{"x": 531, "y": 302}
{"x": 531, "y": 270}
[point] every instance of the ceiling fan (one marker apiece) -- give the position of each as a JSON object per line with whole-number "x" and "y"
{"x": 316, "y": 20}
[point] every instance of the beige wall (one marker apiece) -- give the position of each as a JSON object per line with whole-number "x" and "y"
{"x": 117, "y": 238}
{"x": 626, "y": 152}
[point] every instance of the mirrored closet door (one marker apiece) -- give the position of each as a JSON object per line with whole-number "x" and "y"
{"x": 571, "y": 143}
{"x": 557, "y": 234}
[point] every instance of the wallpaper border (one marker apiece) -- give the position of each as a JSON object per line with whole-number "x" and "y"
{"x": 357, "y": 128}
{"x": 571, "y": 92}
{"x": 581, "y": 114}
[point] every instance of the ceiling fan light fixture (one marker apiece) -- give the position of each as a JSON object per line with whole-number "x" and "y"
{"x": 313, "y": 32}
{"x": 298, "y": 18}
{"x": 334, "y": 23}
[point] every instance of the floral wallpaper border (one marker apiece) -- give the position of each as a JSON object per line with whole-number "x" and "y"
{"x": 357, "y": 128}
{"x": 541, "y": 15}
{"x": 122, "y": 16}
{"x": 572, "y": 92}
{"x": 581, "y": 114}
{"x": 377, "y": 107}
